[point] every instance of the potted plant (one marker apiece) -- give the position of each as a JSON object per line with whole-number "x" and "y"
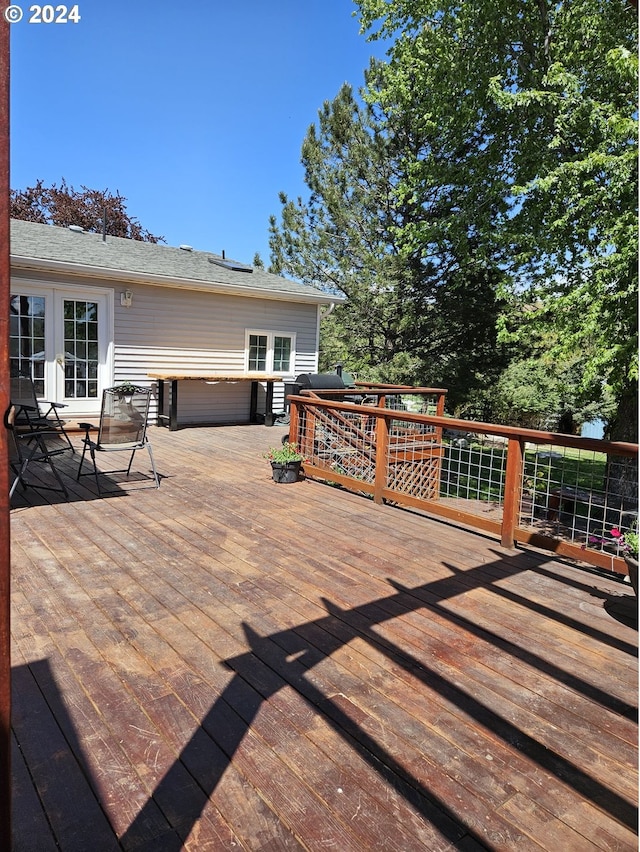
{"x": 125, "y": 389}
{"x": 628, "y": 545}
{"x": 285, "y": 462}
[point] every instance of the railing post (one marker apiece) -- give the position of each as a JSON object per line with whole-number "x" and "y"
{"x": 512, "y": 491}
{"x": 382, "y": 454}
{"x": 439, "y": 413}
{"x": 294, "y": 420}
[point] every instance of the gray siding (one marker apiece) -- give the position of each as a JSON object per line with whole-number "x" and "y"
{"x": 168, "y": 329}
{"x": 178, "y": 329}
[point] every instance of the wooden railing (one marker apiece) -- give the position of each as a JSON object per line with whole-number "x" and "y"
{"x": 557, "y": 492}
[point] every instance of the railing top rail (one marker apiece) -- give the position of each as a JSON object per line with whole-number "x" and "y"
{"x": 533, "y": 436}
{"x": 373, "y": 389}
{"x": 404, "y": 389}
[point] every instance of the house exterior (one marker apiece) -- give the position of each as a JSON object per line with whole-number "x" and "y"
{"x": 88, "y": 312}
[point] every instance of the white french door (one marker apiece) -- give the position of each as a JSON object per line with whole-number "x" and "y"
{"x": 63, "y": 338}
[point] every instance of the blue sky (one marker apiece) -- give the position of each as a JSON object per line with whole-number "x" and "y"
{"x": 195, "y": 111}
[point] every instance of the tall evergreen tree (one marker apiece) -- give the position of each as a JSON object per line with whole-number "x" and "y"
{"x": 417, "y": 311}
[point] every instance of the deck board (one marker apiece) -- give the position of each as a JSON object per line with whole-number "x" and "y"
{"x": 228, "y": 663}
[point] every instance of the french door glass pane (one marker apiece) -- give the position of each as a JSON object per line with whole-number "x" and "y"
{"x": 26, "y": 338}
{"x": 80, "y": 357}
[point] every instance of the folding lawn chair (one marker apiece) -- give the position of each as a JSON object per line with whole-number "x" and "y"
{"x": 30, "y": 448}
{"x": 123, "y": 428}
{"x": 29, "y": 411}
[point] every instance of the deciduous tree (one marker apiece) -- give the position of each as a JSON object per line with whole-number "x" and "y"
{"x": 534, "y": 106}
{"x": 91, "y": 209}
{"x": 417, "y": 311}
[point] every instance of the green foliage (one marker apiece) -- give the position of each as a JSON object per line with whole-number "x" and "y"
{"x": 126, "y": 387}
{"x": 539, "y": 393}
{"x": 629, "y": 542}
{"x": 63, "y": 205}
{"x": 417, "y": 311}
{"x": 532, "y": 107}
{"x": 287, "y": 452}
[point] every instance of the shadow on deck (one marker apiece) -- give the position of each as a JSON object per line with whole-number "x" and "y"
{"x": 229, "y": 663}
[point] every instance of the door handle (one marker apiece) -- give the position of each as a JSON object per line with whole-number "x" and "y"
{"x": 60, "y": 360}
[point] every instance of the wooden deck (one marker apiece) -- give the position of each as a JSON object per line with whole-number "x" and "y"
{"x": 228, "y": 663}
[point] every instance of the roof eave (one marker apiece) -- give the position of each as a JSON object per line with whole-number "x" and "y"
{"x": 132, "y": 277}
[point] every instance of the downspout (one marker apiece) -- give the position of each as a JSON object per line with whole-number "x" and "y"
{"x": 5, "y": 556}
{"x": 326, "y": 310}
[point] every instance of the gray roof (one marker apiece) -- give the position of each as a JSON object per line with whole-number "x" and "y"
{"x": 36, "y": 246}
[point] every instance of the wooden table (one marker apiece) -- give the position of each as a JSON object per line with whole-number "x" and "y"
{"x": 174, "y": 377}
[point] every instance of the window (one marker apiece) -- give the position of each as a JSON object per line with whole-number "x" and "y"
{"x": 257, "y": 352}
{"x": 269, "y": 352}
{"x": 281, "y": 354}
{"x": 27, "y": 350}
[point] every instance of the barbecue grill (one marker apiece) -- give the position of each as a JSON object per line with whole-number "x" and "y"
{"x": 319, "y": 382}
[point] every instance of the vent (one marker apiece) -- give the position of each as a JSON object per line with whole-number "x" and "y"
{"x": 233, "y": 265}
{"x": 77, "y": 229}
{"x": 185, "y": 247}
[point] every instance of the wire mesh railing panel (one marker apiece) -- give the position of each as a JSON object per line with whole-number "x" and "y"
{"x": 344, "y": 443}
{"x": 473, "y": 469}
{"x": 579, "y": 496}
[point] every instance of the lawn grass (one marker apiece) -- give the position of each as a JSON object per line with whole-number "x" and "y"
{"x": 478, "y": 471}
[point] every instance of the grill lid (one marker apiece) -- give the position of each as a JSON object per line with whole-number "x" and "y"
{"x": 320, "y": 381}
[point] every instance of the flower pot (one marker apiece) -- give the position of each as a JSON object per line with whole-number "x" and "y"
{"x": 632, "y": 565}
{"x": 285, "y": 471}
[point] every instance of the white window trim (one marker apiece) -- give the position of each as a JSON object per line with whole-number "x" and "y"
{"x": 270, "y": 335}
{"x": 52, "y": 294}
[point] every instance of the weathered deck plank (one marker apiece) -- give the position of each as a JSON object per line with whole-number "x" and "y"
{"x": 230, "y": 663}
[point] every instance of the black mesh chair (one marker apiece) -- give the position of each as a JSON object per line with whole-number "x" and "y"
{"x": 123, "y": 428}
{"x": 33, "y": 412}
{"x": 31, "y": 449}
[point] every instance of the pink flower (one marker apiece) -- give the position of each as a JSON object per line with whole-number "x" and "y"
{"x": 615, "y": 533}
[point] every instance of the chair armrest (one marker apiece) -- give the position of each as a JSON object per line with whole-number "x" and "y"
{"x": 87, "y": 426}
{"x": 35, "y": 434}
{"x": 54, "y": 404}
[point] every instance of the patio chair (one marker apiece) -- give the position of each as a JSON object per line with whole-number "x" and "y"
{"x": 123, "y": 428}
{"x": 32, "y": 447}
{"x": 29, "y": 412}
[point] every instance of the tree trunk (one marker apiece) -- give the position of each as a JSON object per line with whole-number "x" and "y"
{"x": 622, "y": 472}
{"x": 624, "y": 425}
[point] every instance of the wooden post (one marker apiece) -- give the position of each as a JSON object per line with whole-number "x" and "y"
{"x": 293, "y": 421}
{"x": 160, "y": 411}
{"x": 440, "y": 413}
{"x": 382, "y": 456}
{"x": 5, "y": 556}
{"x": 512, "y": 491}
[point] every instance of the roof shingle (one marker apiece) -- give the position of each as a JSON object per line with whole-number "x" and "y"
{"x": 125, "y": 259}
